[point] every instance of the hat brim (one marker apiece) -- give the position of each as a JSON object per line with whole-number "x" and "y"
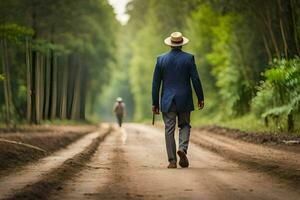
{"x": 173, "y": 44}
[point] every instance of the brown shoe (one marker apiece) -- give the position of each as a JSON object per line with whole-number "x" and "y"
{"x": 172, "y": 165}
{"x": 184, "y": 162}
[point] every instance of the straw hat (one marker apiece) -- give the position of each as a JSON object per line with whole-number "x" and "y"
{"x": 119, "y": 99}
{"x": 176, "y": 39}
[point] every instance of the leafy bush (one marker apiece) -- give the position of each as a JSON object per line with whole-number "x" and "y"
{"x": 278, "y": 97}
{"x": 229, "y": 66}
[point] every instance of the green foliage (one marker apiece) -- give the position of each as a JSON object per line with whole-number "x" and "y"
{"x": 43, "y": 46}
{"x": 70, "y": 34}
{"x": 200, "y": 32}
{"x": 119, "y": 84}
{"x": 223, "y": 67}
{"x": 150, "y": 22}
{"x": 232, "y": 42}
{"x": 141, "y": 70}
{"x": 227, "y": 39}
{"x": 279, "y": 95}
{"x": 14, "y": 32}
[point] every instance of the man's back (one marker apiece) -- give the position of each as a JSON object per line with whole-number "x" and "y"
{"x": 119, "y": 108}
{"x": 176, "y": 69}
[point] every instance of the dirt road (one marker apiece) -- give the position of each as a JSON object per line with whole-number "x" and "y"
{"x": 131, "y": 164}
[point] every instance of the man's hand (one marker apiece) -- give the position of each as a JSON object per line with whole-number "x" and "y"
{"x": 155, "y": 110}
{"x": 200, "y": 105}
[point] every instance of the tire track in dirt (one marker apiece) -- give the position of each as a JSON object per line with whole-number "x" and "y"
{"x": 33, "y": 180}
{"x": 102, "y": 176}
{"x": 142, "y": 174}
{"x": 137, "y": 170}
{"x": 279, "y": 163}
{"x": 254, "y": 150}
{"x": 131, "y": 164}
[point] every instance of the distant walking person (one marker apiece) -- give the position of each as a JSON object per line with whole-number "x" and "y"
{"x": 119, "y": 110}
{"x": 175, "y": 70}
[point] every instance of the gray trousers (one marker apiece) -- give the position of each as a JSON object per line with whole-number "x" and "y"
{"x": 184, "y": 131}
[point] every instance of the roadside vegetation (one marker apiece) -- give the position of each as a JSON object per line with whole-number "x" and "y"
{"x": 69, "y": 60}
{"x": 247, "y": 54}
{"x": 55, "y": 56}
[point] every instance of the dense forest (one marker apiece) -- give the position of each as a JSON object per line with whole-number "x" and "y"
{"x": 68, "y": 59}
{"x": 51, "y": 52}
{"x": 247, "y": 55}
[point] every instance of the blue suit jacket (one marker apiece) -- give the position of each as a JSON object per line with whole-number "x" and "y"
{"x": 175, "y": 71}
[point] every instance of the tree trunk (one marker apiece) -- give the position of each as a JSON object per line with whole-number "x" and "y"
{"x": 42, "y": 85}
{"x": 71, "y": 83}
{"x": 54, "y": 86}
{"x": 28, "y": 73}
{"x": 6, "y": 95}
{"x": 75, "y": 114}
{"x": 269, "y": 27}
{"x": 83, "y": 94}
{"x": 63, "y": 111}
{"x": 290, "y": 122}
{"x": 290, "y": 23}
{"x": 33, "y": 112}
{"x": 294, "y": 25}
{"x": 7, "y": 84}
{"x": 282, "y": 30}
{"x": 47, "y": 75}
{"x": 267, "y": 49}
{"x": 33, "y": 88}
{"x": 38, "y": 90}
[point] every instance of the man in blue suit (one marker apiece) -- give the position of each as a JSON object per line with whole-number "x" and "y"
{"x": 175, "y": 71}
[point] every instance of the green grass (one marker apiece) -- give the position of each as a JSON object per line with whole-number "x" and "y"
{"x": 67, "y": 122}
{"x": 249, "y": 123}
{"x": 2, "y": 125}
{"x": 52, "y": 122}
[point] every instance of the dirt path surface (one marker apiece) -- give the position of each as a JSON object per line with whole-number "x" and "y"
{"x": 280, "y": 163}
{"x": 31, "y": 143}
{"x": 34, "y": 172}
{"x": 131, "y": 164}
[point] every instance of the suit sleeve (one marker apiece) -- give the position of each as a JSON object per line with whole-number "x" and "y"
{"x": 196, "y": 80}
{"x": 156, "y": 82}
